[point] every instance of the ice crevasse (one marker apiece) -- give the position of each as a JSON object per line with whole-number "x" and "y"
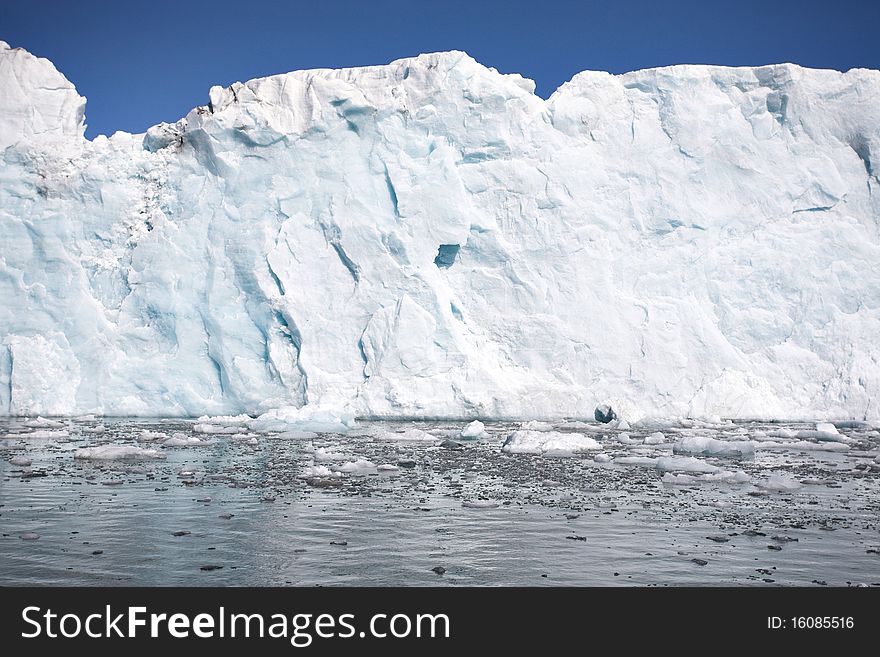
{"x": 430, "y": 238}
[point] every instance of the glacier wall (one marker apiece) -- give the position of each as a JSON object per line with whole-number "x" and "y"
{"x": 429, "y": 238}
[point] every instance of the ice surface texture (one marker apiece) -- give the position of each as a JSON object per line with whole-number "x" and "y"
{"x": 429, "y": 238}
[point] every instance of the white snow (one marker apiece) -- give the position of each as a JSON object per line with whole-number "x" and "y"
{"x": 548, "y": 443}
{"x": 116, "y": 452}
{"x": 429, "y": 238}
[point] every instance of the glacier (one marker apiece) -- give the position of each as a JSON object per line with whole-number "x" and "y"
{"x": 431, "y": 239}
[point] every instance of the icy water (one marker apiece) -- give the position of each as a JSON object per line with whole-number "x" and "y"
{"x": 247, "y": 509}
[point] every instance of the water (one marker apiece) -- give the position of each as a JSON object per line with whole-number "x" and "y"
{"x": 487, "y": 517}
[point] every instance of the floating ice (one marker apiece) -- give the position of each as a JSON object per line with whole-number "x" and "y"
{"x": 44, "y": 434}
{"x": 359, "y": 466}
{"x": 149, "y": 436}
{"x": 318, "y": 471}
{"x": 178, "y": 439}
{"x": 536, "y": 425}
{"x": 779, "y": 482}
{"x": 225, "y": 420}
{"x": 410, "y": 435}
{"x": 308, "y": 418}
{"x": 324, "y": 454}
{"x": 43, "y": 423}
{"x": 724, "y": 476}
{"x": 548, "y": 443}
{"x": 206, "y": 427}
{"x": 713, "y": 447}
{"x": 475, "y": 429}
{"x": 669, "y": 463}
{"x": 117, "y": 453}
{"x": 655, "y": 438}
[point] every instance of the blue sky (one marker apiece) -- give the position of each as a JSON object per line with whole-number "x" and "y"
{"x": 144, "y": 62}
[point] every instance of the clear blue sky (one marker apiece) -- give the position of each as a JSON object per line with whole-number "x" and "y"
{"x": 139, "y": 63}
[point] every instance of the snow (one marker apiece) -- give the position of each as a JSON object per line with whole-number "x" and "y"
{"x": 430, "y": 239}
{"x": 116, "y": 453}
{"x": 475, "y": 429}
{"x": 548, "y": 443}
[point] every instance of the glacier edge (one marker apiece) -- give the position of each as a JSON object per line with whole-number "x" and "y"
{"x": 683, "y": 241}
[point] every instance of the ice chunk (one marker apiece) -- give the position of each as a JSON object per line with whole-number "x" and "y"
{"x": 475, "y": 429}
{"x": 225, "y": 420}
{"x": 724, "y": 476}
{"x": 308, "y": 418}
{"x": 823, "y": 435}
{"x": 684, "y": 464}
{"x": 324, "y": 454}
{"x": 117, "y": 452}
{"x": 536, "y": 425}
{"x": 410, "y": 435}
{"x": 42, "y": 434}
{"x": 548, "y": 443}
{"x": 655, "y": 438}
{"x": 779, "y": 482}
{"x": 713, "y": 447}
{"x": 359, "y": 466}
{"x": 179, "y": 439}
{"x": 669, "y": 463}
{"x": 149, "y": 436}
{"x": 44, "y": 423}
{"x": 318, "y": 471}
{"x": 205, "y": 427}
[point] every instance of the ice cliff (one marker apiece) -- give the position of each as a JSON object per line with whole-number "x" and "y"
{"x": 429, "y": 238}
